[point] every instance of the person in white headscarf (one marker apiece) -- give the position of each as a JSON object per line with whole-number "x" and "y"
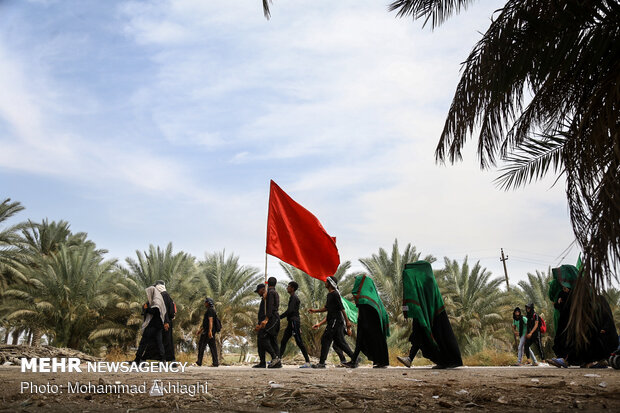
{"x": 153, "y": 325}
{"x": 168, "y": 322}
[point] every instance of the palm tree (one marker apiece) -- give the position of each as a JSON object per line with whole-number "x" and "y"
{"x": 10, "y": 255}
{"x": 476, "y": 305}
{"x": 9, "y": 243}
{"x": 312, "y": 294}
{"x": 65, "y": 295}
{"x": 386, "y": 270}
{"x": 158, "y": 264}
{"x": 231, "y": 286}
{"x": 121, "y": 326}
{"x": 540, "y": 90}
{"x": 42, "y": 241}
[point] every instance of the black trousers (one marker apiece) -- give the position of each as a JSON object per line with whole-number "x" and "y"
{"x": 151, "y": 337}
{"x": 202, "y": 344}
{"x": 268, "y": 341}
{"x": 293, "y": 329}
{"x": 537, "y": 340}
{"x": 334, "y": 333}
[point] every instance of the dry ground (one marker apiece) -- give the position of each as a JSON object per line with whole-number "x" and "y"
{"x": 243, "y": 389}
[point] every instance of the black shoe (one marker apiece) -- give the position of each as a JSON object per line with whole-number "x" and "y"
{"x": 318, "y": 366}
{"x": 438, "y": 367}
{"x": 275, "y": 364}
{"x": 259, "y": 366}
{"x": 198, "y": 364}
{"x": 215, "y": 365}
{"x": 380, "y": 366}
{"x": 350, "y": 364}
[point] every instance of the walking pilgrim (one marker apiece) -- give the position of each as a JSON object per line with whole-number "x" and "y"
{"x": 154, "y": 311}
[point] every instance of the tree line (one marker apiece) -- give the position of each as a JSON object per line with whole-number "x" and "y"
{"x": 58, "y": 284}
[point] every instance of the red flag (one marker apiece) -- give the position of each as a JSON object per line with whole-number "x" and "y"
{"x": 297, "y": 237}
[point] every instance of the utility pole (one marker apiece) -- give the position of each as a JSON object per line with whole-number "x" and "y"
{"x": 503, "y": 260}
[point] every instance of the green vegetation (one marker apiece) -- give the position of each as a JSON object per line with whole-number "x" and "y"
{"x": 57, "y": 284}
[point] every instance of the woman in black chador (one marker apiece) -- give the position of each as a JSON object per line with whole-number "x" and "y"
{"x": 432, "y": 332}
{"x": 152, "y": 327}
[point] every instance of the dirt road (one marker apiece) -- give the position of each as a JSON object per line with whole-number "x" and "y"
{"x": 243, "y": 389}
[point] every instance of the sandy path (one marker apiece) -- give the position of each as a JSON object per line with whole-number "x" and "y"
{"x": 394, "y": 389}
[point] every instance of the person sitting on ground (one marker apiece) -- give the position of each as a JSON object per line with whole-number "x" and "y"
{"x": 432, "y": 332}
{"x": 601, "y": 335}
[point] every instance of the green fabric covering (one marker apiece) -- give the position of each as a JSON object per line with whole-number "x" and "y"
{"x": 562, "y": 276}
{"x": 421, "y": 295}
{"x": 365, "y": 292}
{"x": 350, "y": 309}
{"x": 566, "y": 275}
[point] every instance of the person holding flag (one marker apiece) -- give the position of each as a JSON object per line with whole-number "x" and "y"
{"x": 373, "y": 325}
{"x": 336, "y": 322}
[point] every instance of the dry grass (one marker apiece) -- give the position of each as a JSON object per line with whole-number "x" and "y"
{"x": 490, "y": 358}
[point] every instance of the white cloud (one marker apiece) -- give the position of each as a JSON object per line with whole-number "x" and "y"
{"x": 38, "y": 146}
{"x": 340, "y": 102}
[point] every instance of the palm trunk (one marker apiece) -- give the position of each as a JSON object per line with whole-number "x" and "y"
{"x": 15, "y": 335}
{"x": 220, "y": 348}
{"x": 36, "y": 337}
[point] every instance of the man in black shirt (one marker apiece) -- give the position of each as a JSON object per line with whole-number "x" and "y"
{"x": 268, "y": 324}
{"x": 170, "y": 313}
{"x": 207, "y": 333}
{"x": 533, "y": 335}
{"x": 293, "y": 327}
{"x": 336, "y": 321}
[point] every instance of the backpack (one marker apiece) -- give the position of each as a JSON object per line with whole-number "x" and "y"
{"x": 217, "y": 324}
{"x": 542, "y": 325}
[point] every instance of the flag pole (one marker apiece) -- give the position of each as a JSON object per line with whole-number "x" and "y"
{"x": 265, "y": 268}
{"x": 267, "y": 230}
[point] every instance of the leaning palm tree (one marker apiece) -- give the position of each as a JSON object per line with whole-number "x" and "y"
{"x": 386, "y": 270}
{"x": 476, "y": 303}
{"x": 540, "y": 91}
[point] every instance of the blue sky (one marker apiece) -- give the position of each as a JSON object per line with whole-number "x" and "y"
{"x": 145, "y": 122}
